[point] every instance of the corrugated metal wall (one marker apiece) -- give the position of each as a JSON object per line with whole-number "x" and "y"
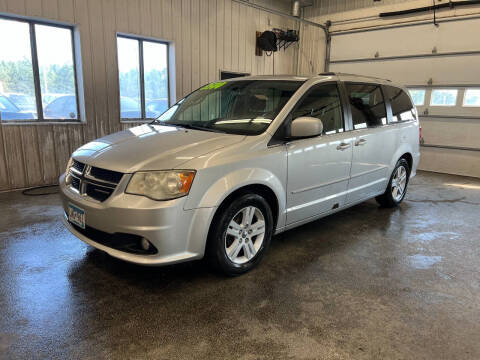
{"x": 208, "y": 35}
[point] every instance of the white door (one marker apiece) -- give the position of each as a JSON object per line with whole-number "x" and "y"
{"x": 373, "y": 143}
{"x": 319, "y": 168}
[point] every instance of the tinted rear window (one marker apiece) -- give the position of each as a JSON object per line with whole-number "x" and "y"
{"x": 402, "y": 108}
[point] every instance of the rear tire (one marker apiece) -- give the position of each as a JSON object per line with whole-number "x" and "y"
{"x": 240, "y": 235}
{"x": 397, "y": 186}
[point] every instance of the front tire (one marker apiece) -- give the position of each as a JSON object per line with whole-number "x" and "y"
{"x": 240, "y": 234}
{"x": 397, "y": 186}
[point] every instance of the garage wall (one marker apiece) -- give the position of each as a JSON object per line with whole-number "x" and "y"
{"x": 412, "y": 51}
{"x": 207, "y": 36}
{"x": 324, "y": 7}
{"x": 311, "y": 50}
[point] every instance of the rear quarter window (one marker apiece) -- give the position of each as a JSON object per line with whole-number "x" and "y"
{"x": 402, "y": 107}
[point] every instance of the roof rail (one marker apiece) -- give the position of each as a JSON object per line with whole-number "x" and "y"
{"x": 365, "y": 76}
{"x": 347, "y": 74}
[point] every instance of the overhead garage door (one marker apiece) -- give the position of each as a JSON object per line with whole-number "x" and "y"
{"x": 426, "y": 57}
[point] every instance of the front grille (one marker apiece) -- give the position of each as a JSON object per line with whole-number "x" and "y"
{"x": 120, "y": 241}
{"x": 93, "y": 182}
{"x": 106, "y": 175}
{"x": 97, "y": 192}
{"x": 77, "y": 165}
{"x": 75, "y": 183}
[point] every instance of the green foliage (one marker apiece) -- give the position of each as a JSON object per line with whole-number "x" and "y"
{"x": 156, "y": 85}
{"x": 57, "y": 79}
{"x": 17, "y": 76}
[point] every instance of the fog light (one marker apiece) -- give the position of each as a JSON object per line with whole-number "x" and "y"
{"x": 145, "y": 244}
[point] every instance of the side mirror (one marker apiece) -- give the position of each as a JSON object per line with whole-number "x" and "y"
{"x": 306, "y": 126}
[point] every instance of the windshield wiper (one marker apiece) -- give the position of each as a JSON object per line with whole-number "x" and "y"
{"x": 196, "y": 127}
{"x": 160, "y": 122}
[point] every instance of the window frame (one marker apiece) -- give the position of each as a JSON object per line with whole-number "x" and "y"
{"x": 283, "y": 131}
{"x": 465, "y": 90}
{"x": 141, "y": 71}
{"x": 433, "y": 89}
{"x": 386, "y": 104}
{"x": 36, "y": 72}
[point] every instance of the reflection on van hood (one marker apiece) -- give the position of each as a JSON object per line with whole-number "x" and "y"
{"x": 151, "y": 147}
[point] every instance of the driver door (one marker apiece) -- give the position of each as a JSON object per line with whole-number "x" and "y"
{"x": 319, "y": 167}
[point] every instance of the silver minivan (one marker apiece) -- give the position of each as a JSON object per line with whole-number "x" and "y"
{"x": 237, "y": 161}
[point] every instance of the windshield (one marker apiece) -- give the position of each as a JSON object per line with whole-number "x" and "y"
{"x": 238, "y": 107}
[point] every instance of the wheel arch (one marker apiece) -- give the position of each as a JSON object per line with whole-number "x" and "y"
{"x": 409, "y": 158}
{"x": 403, "y": 152}
{"x": 257, "y": 180}
{"x": 259, "y": 189}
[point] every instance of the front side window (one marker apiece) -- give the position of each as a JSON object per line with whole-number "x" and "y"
{"x": 143, "y": 78}
{"x": 418, "y": 96}
{"x": 37, "y": 67}
{"x": 322, "y": 102}
{"x": 367, "y": 104}
{"x": 472, "y": 97}
{"x": 402, "y": 108}
{"x": 444, "y": 97}
{"x": 237, "y": 107}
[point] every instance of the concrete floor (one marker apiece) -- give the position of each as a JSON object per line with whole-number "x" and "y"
{"x": 367, "y": 283}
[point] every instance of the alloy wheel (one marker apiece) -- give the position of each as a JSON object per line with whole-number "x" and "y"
{"x": 399, "y": 183}
{"x": 245, "y": 234}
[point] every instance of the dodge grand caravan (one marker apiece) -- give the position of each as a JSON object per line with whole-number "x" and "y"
{"x": 235, "y": 162}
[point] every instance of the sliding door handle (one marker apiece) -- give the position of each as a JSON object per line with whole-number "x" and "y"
{"x": 360, "y": 142}
{"x": 343, "y": 146}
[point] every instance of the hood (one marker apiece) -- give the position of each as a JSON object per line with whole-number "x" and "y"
{"x": 151, "y": 147}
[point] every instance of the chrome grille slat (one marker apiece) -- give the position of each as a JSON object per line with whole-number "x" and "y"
{"x": 78, "y": 166}
{"x": 97, "y": 187}
{"x": 108, "y": 176}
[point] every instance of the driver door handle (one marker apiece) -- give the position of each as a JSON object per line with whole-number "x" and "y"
{"x": 360, "y": 142}
{"x": 343, "y": 146}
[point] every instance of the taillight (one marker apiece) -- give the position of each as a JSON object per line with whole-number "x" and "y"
{"x": 419, "y": 134}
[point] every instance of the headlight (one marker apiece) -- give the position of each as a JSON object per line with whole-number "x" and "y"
{"x": 161, "y": 185}
{"x": 68, "y": 177}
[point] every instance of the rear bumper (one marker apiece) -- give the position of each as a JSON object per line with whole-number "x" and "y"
{"x": 177, "y": 234}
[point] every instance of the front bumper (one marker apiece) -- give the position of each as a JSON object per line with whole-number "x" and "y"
{"x": 178, "y": 235}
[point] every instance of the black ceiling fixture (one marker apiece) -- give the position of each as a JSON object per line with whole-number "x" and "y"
{"x": 450, "y": 4}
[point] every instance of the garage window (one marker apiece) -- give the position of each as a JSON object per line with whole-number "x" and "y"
{"x": 472, "y": 97}
{"x": 367, "y": 104}
{"x": 418, "y": 96}
{"x": 37, "y": 72}
{"x": 143, "y": 77}
{"x": 444, "y": 97}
